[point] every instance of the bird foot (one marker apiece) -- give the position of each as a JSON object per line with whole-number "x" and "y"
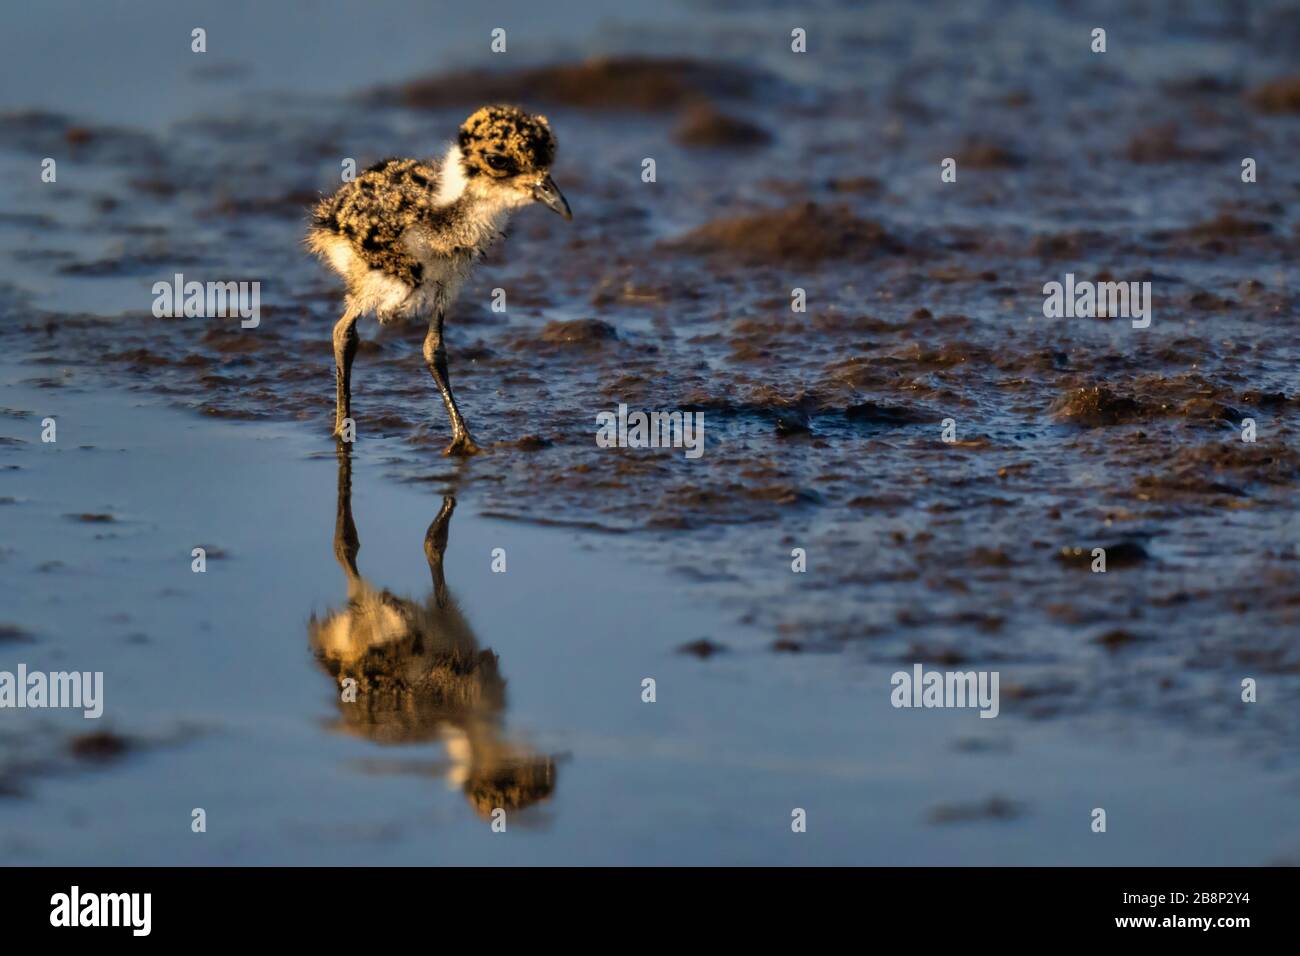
{"x": 462, "y": 445}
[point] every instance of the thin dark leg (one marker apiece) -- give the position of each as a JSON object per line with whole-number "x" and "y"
{"x": 346, "y": 340}
{"x": 435, "y": 545}
{"x": 435, "y": 356}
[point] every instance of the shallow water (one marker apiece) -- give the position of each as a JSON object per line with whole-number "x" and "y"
{"x": 822, "y": 432}
{"x": 210, "y": 679}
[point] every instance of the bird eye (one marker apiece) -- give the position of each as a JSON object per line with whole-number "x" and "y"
{"x": 498, "y": 162}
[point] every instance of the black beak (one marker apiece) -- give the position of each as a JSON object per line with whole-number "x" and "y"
{"x": 549, "y": 195}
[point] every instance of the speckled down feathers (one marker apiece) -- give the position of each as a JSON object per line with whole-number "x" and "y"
{"x": 374, "y": 211}
{"x": 521, "y": 142}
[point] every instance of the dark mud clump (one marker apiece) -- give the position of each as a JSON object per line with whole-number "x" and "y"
{"x": 1122, "y": 554}
{"x": 623, "y": 82}
{"x": 98, "y": 746}
{"x": 855, "y": 185}
{"x": 703, "y": 648}
{"x": 1098, "y": 406}
{"x": 1277, "y": 96}
{"x": 804, "y": 233}
{"x": 705, "y": 126}
{"x": 581, "y": 333}
{"x": 1225, "y": 233}
{"x": 13, "y": 634}
{"x": 1226, "y": 226}
{"x": 1189, "y": 398}
{"x": 986, "y": 154}
{"x": 1117, "y": 638}
{"x": 50, "y": 134}
{"x": 1066, "y": 245}
{"x": 1226, "y": 468}
{"x": 792, "y": 421}
{"x": 879, "y": 413}
{"x": 994, "y": 808}
{"x": 1164, "y": 144}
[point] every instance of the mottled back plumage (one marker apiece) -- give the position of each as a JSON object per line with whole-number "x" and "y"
{"x": 374, "y": 210}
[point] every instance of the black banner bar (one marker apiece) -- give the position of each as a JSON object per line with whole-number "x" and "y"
{"x": 182, "y": 904}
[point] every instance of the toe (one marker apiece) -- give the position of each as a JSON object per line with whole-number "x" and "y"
{"x": 462, "y": 446}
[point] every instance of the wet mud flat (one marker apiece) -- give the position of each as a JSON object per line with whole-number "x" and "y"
{"x": 823, "y": 428}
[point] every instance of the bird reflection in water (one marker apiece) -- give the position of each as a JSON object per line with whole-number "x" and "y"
{"x": 420, "y": 673}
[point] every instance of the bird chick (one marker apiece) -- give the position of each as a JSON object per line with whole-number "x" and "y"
{"x": 405, "y": 233}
